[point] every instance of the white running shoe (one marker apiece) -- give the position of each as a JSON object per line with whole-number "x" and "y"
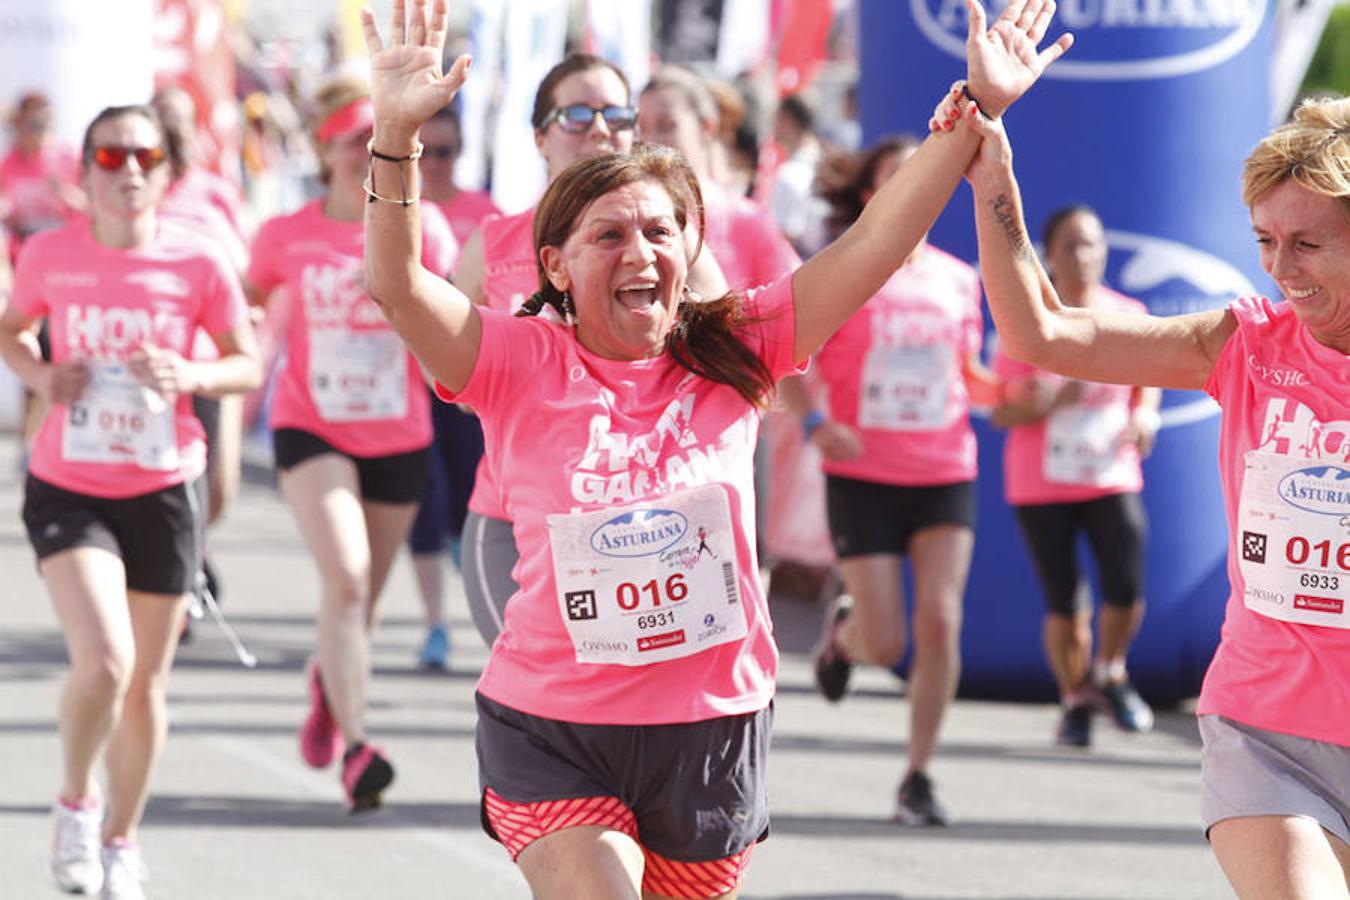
{"x": 75, "y": 858}
{"x": 122, "y": 873}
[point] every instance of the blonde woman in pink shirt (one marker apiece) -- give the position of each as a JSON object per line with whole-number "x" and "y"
{"x": 115, "y": 501}
{"x": 351, "y": 420}
{"x": 1275, "y": 789}
{"x": 625, "y": 709}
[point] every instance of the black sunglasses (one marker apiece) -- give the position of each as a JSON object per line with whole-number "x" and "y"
{"x": 110, "y": 158}
{"x": 576, "y": 118}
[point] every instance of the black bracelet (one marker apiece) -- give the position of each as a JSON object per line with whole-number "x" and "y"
{"x": 375, "y": 154}
{"x": 965, "y": 91}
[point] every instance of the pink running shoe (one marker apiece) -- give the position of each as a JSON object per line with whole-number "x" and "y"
{"x": 366, "y": 772}
{"x": 320, "y": 739}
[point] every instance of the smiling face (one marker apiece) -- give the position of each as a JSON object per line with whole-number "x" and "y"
{"x": 597, "y": 87}
{"x": 1076, "y": 253}
{"x": 1305, "y": 246}
{"x": 129, "y": 191}
{"x": 625, "y": 267}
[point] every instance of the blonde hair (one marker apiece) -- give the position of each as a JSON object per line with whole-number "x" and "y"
{"x": 1313, "y": 149}
{"x": 331, "y": 96}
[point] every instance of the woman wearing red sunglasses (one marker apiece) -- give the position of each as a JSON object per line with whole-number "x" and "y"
{"x": 114, "y": 503}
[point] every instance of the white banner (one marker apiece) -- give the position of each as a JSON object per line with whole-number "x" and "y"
{"x": 743, "y": 40}
{"x": 536, "y": 32}
{"x": 486, "y": 19}
{"x": 1298, "y": 30}
{"x": 83, "y": 55}
{"x": 621, "y": 32}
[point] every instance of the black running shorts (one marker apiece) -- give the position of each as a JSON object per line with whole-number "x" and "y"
{"x": 157, "y": 535}
{"x": 1116, "y": 529}
{"x": 396, "y": 478}
{"x": 868, "y": 517}
{"x": 697, "y": 789}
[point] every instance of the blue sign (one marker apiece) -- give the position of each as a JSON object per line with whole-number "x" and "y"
{"x": 1148, "y": 119}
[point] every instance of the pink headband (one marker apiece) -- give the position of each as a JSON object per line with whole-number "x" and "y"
{"x": 354, "y": 118}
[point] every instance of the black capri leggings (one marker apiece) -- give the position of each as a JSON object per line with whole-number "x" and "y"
{"x": 1116, "y": 529}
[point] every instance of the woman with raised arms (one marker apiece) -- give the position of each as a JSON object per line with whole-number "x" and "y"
{"x": 625, "y": 709}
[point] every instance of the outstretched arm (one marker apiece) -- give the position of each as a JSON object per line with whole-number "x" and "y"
{"x": 1091, "y": 344}
{"x": 436, "y": 320}
{"x": 1003, "y": 63}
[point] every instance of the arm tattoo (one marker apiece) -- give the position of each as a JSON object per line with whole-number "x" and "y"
{"x": 1006, "y": 214}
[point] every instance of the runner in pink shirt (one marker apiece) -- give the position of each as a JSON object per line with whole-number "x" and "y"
{"x": 39, "y": 178}
{"x": 114, "y": 502}
{"x": 351, "y": 425}
{"x": 211, "y": 208}
{"x": 1275, "y": 792}
{"x": 624, "y": 712}
{"x": 899, "y": 458}
{"x": 1071, "y": 466}
{"x": 581, "y": 109}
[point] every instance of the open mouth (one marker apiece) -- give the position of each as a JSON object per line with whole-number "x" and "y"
{"x": 637, "y": 297}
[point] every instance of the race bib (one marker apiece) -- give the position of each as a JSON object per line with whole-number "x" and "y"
{"x": 1082, "y": 446}
{"x": 905, "y": 388}
{"x": 119, "y": 420}
{"x": 1294, "y": 539}
{"x": 357, "y": 376}
{"x": 649, "y": 582}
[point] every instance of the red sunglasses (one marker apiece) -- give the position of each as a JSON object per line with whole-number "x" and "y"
{"x": 111, "y": 158}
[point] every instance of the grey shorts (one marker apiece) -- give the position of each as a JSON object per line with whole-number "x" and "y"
{"x": 1248, "y": 771}
{"x": 487, "y": 556}
{"x": 698, "y": 790}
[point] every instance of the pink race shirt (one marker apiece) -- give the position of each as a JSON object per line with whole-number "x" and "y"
{"x": 120, "y": 439}
{"x": 745, "y": 240}
{"x": 894, "y": 375}
{"x": 211, "y": 206}
{"x": 32, "y": 184}
{"x": 1085, "y": 456}
{"x": 632, "y": 502}
{"x": 467, "y": 211}
{"x": 510, "y": 276}
{"x": 348, "y": 378}
{"x": 1284, "y": 454}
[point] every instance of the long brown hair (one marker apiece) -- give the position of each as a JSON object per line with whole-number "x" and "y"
{"x": 703, "y": 338}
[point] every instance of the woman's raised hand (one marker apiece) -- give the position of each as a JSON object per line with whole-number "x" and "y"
{"x": 1002, "y": 61}
{"x": 406, "y": 84}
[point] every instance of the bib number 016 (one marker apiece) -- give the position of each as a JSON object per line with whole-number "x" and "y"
{"x": 1300, "y": 551}
{"x": 629, "y": 595}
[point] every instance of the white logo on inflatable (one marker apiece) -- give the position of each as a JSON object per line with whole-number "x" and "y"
{"x": 946, "y": 30}
{"x": 1153, "y": 262}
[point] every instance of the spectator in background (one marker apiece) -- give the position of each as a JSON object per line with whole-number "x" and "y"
{"x": 441, "y": 145}
{"x": 39, "y": 177}
{"x": 792, "y": 199}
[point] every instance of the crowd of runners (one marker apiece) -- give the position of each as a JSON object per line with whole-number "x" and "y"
{"x": 569, "y": 402}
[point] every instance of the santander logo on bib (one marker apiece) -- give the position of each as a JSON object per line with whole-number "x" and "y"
{"x": 1324, "y": 490}
{"x": 1118, "y": 39}
{"x": 644, "y": 532}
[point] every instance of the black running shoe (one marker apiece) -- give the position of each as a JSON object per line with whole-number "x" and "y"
{"x": 917, "y": 805}
{"x": 1075, "y": 726}
{"x": 1127, "y": 707}
{"x": 833, "y": 667}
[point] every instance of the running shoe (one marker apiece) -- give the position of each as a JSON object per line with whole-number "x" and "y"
{"x": 122, "y": 873}
{"x": 435, "y": 653}
{"x": 1127, "y": 707}
{"x": 1075, "y": 726}
{"x": 75, "y": 862}
{"x": 832, "y": 666}
{"x": 366, "y": 772}
{"x": 917, "y": 805}
{"x": 320, "y": 739}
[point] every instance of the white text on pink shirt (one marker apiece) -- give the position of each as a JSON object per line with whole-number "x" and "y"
{"x": 1290, "y": 428}
{"x": 113, "y": 332}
